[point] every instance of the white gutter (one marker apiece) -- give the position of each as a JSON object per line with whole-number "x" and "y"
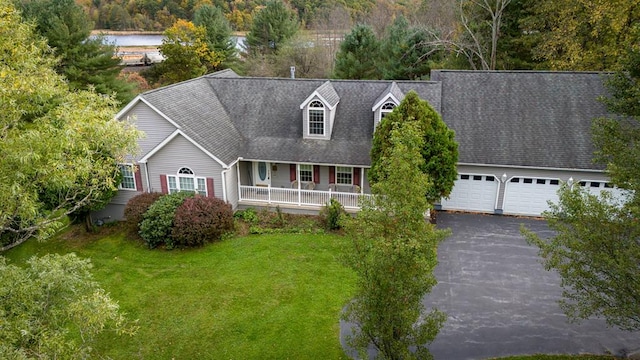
{"x": 531, "y": 167}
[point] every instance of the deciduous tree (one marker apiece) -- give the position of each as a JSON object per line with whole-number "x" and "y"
{"x": 439, "y": 151}
{"x": 53, "y": 309}
{"x": 58, "y": 149}
{"x": 394, "y": 253}
{"x": 582, "y": 34}
{"x": 187, "y": 53}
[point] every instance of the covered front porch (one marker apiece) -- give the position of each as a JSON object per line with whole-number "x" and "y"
{"x": 300, "y": 185}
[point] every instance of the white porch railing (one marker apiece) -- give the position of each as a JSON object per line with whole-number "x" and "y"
{"x": 271, "y": 195}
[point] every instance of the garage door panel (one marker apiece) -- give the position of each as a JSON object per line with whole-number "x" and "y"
{"x": 472, "y": 193}
{"x": 530, "y": 196}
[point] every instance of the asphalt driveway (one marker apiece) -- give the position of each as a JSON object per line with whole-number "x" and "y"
{"x": 499, "y": 299}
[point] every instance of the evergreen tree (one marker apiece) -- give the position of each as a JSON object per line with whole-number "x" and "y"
{"x": 272, "y": 26}
{"x": 358, "y": 55}
{"x": 218, "y": 33}
{"x": 406, "y": 52}
{"x": 439, "y": 151}
{"x": 83, "y": 61}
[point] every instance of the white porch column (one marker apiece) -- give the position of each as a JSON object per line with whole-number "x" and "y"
{"x": 299, "y": 184}
{"x": 239, "y": 182}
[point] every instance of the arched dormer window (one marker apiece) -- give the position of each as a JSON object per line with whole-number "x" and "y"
{"x": 186, "y": 180}
{"x": 386, "y": 108}
{"x": 316, "y": 118}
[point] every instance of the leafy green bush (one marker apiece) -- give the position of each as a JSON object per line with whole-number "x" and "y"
{"x": 137, "y": 206}
{"x": 157, "y": 222}
{"x": 250, "y": 216}
{"x": 200, "y": 220}
{"x": 331, "y": 214}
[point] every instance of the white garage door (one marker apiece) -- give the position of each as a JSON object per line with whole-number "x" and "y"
{"x": 473, "y": 193}
{"x": 529, "y": 196}
{"x": 596, "y": 187}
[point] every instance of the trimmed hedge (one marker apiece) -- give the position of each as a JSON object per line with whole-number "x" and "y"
{"x": 200, "y": 220}
{"x": 137, "y": 206}
{"x": 157, "y": 222}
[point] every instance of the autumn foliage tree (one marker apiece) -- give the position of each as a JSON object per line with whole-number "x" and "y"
{"x": 187, "y": 54}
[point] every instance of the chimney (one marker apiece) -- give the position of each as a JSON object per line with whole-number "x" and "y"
{"x": 293, "y": 72}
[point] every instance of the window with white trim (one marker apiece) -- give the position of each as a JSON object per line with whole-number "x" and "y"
{"x": 128, "y": 177}
{"x": 344, "y": 175}
{"x": 316, "y": 118}
{"x": 306, "y": 173}
{"x": 386, "y": 108}
{"x": 186, "y": 180}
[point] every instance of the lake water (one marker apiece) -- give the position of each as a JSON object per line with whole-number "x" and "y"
{"x": 153, "y": 40}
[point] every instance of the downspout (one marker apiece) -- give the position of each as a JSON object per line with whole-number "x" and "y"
{"x": 224, "y": 184}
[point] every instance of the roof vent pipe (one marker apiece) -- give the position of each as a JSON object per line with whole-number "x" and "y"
{"x": 293, "y": 72}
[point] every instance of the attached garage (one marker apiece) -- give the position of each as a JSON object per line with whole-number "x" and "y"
{"x": 473, "y": 192}
{"x": 596, "y": 187}
{"x": 529, "y": 195}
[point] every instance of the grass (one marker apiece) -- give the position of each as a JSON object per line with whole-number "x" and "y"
{"x": 255, "y": 297}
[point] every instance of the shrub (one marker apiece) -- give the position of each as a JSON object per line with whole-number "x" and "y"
{"x": 250, "y": 216}
{"x": 200, "y": 220}
{"x": 331, "y": 214}
{"x": 157, "y": 222}
{"x": 137, "y": 206}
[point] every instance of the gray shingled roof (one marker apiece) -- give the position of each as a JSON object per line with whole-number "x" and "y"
{"x": 392, "y": 89}
{"x": 328, "y": 93}
{"x": 260, "y": 118}
{"x": 193, "y": 105}
{"x": 538, "y": 119}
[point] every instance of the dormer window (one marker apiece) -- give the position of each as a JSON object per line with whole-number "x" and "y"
{"x": 319, "y": 112}
{"x": 316, "y": 118}
{"x": 386, "y": 109}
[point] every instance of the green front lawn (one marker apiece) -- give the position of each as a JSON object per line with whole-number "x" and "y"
{"x": 255, "y": 297}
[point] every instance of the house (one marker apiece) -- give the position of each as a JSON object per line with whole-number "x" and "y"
{"x": 296, "y": 143}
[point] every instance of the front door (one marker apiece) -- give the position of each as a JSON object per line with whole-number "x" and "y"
{"x": 261, "y": 173}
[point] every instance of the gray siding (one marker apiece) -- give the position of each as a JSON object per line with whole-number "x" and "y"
{"x": 179, "y": 153}
{"x": 155, "y": 127}
{"x": 231, "y": 179}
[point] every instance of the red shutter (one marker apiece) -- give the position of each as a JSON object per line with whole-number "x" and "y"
{"x": 292, "y": 172}
{"x": 332, "y": 174}
{"x": 316, "y": 174}
{"x": 211, "y": 192}
{"x": 163, "y": 184}
{"x": 356, "y": 176}
{"x": 138, "y": 178}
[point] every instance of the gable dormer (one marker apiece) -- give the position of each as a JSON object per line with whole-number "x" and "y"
{"x": 319, "y": 112}
{"x": 386, "y": 102}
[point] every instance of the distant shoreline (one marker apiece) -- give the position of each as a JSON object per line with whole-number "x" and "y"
{"x": 139, "y": 32}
